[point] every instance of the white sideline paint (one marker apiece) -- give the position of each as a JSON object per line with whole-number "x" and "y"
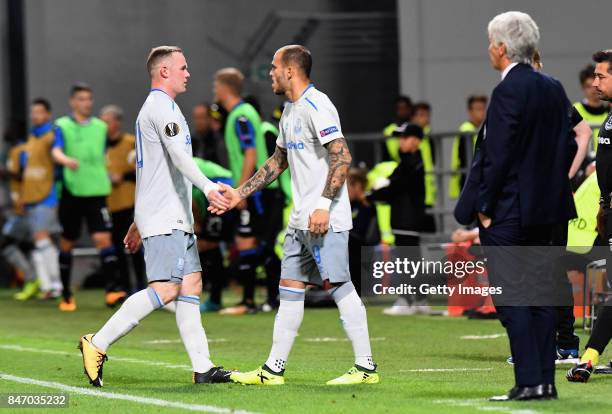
{"x": 333, "y": 339}
{"x": 125, "y": 397}
{"x": 19, "y": 348}
{"x": 479, "y": 404}
{"x": 445, "y": 369}
{"x": 178, "y": 341}
{"x": 478, "y": 337}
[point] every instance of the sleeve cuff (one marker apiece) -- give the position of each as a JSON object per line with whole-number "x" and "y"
{"x": 323, "y": 204}
{"x": 210, "y": 187}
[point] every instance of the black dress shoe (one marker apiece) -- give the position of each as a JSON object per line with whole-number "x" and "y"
{"x": 521, "y": 394}
{"x": 550, "y": 392}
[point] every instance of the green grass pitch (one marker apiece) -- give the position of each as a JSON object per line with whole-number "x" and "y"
{"x": 38, "y": 342}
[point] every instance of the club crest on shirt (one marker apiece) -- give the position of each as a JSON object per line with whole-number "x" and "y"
{"x": 608, "y": 125}
{"x": 172, "y": 129}
{"x": 297, "y": 128}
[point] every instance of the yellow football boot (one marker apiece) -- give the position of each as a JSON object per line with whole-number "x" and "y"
{"x": 356, "y": 376}
{"x": 260, "y": 376}
{"x": 93, "y": 360}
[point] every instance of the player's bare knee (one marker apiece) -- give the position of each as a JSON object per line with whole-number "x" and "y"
{"x": 167, "y": 291}
{"x": 246, "y": 243}
{"x": 192, "y": 285}
{"x": 102, "y": 240}
{"x": 292, "y": 283}
{"x": 66, "y": 245}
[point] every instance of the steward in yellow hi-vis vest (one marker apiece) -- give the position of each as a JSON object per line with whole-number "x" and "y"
{"x": 582, "y": 230}
{"x": 593, "y": 116}
{"x": 121, "y": 163}
{"x": 458, "y": 158}
{"x": 38, "y": 166}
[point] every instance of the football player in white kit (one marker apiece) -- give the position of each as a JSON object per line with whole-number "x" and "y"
{"x": 164, "y": 221}
{"x": 312, "y": 145}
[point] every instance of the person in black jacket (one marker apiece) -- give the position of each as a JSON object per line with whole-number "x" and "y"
{"x": 365, "y": 226}
{"x": 405, "y": 193}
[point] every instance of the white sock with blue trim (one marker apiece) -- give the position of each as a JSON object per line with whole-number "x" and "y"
{"x": 133, "y": 310}
{"x": 286, "y": 326}
{"x": 355, "y": 323}
{"x": 189, "y": 322}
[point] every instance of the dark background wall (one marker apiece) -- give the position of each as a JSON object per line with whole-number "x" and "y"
{"x": 443, "y": 47}
{"x": 105, "y": 43}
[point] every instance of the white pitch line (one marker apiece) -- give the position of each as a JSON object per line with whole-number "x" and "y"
{"x": 178, "y": 341}
{"x": 479, "y": 404}
{"x": 19, "y": 348}
{"x": 445, "y": 369}
{"x": 125, "y": 397}
{"x": 478, "y": 337}
{"x": 334, "y": 339}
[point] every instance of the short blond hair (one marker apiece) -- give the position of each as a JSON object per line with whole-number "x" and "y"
{"x": 231, "y": 77}
{"x": 157, "y": 54}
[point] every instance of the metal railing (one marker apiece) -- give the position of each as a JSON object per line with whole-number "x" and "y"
{"x": 368, "y": 148}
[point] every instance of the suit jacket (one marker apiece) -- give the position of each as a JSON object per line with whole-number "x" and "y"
{"x": 523, "y": 154}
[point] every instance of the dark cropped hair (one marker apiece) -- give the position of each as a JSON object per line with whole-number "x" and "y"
{"x": 476, "y": 98}
{"x": 298, "y": 55}
{"x": 604, "y": 56}
{"x": 42, "y": 102}
{"x": 80, "y": 87}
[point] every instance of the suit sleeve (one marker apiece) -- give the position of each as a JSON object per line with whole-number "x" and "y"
{"x": 500, "y": 144}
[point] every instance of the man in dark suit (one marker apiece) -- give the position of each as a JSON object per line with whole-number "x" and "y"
{"x": 519, "y": 192}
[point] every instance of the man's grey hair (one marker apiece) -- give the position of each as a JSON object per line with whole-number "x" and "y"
{"x": 114, "y": 110}
{"x": 518, "y": 32}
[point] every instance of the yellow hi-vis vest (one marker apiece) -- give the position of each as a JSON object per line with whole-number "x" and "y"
{"x": 582, "y": 231}
{"x": 591, "y": 119}
{"x": 391, "y": 142}
{"x": 454, "y": 186}
{"x": 383, "y": 210}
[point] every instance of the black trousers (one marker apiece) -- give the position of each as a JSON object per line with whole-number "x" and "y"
{"x": 413, "y": 242}
{"x": 566, "y": 338}
{"x": 121, "y": 223}
{"x": 602, "y": 331}
{"x": 523, "y": 278}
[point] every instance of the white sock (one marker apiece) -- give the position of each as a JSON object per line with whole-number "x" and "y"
{"x": 45, "y": 258}
{"x": 133, "y": 310}
{"x": 38, "y": 258}
{"x": 355, "y": 323}
{"x": 51, "y": 255}
{"x": 286, "y": 326}
{"x": 190, "y": 327}
{"x": 170, "y": 307}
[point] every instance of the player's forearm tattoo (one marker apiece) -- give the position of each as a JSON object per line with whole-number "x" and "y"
{"x": 272, "y": 168}
{"x": 339, "y": 163}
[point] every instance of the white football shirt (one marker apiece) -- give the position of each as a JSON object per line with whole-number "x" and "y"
{"x": 163, "y": 194}
{"x": 305, "y": 127}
